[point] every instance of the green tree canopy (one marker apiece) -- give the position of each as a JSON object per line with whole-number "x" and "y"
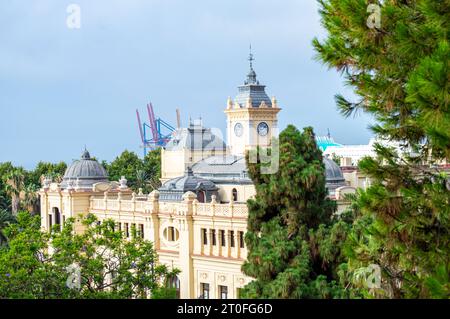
{"x": 126, "y": 164}
{"x": 400, "y": 72}
{"x": 292, "y": 241}
{"x": 54, "y": 171}
{"x": 35, "y": 263}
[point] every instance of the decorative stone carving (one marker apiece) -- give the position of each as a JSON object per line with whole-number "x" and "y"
{"x": 101, "y": 187}
{"x": 204, "y": 275}
{"x": 189, "y": 196}
{"x": 213, "y": 199}
{"x": 274, "y": 102}
{"x": 154, "y": 195}
{"x": 69, "y": 185}
{"x": 229, "y": 103}
{"x": 46, "y": 182}
{"x": 123, "y": 183}
{"x": 263, "y": 105}
{"x": 222, "y": 278}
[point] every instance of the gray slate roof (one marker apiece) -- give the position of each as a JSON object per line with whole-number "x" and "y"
{"x": 174, "y": 189}
{"x": 252, "y": 89}
{"x": 84, "y": 173}
{"x": 334, "y": 176}
{"x": 223, "y": 169}
{"x": 195, "y": 137}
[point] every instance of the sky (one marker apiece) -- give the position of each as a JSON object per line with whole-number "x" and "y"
{"x": 63, "y": 88}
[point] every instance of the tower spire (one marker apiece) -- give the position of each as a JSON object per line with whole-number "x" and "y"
{"x": 250, "y": 57}
{"x": 251, "y": 76}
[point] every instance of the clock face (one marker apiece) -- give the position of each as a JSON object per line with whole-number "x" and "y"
{"x": 263, "y": 128}
{"x": 238, "y": 129}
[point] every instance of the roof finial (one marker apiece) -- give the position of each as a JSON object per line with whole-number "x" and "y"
{"x": 85, "y": 154}
{"x": 250, "y": 57}
{"x": 251, "y": 76}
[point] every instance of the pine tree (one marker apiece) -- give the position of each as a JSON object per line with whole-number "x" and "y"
{"x": 290, "y": 247}
{"x": 399, "y": 69}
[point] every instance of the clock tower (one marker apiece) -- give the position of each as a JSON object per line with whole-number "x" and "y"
{"x": 252, "y": 116}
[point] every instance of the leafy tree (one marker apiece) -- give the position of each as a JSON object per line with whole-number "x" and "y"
{"x": 400, "y": 73}
{"x": 6, "y": 218}
{"x": 35, "y": 263}
{"x": 293, "y": 244}
{"x": 30, "y": 198}
{"x": 5, "y": 200}
{"x": 15, "y": 181}
{"x": 126, "y": 164}
{"x": 152, "y": 170}
{"x": 336, "y": 158}
{"x": 51, "y": 170}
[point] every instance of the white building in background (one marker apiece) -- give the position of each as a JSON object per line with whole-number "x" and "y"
{"x": 351, "y": 154}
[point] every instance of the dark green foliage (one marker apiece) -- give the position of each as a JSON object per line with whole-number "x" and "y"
{"x": 6, "y": 218}
{"x": 110, "y": 265}
{"x": 403, "y": 226}
{"x": 401, "y": 74}
{"x": 293, "y": 244}
{"x": 44, "y": 169}
{"x": 5, "y": 199}
{"x": 142, "y": 174}
{"x": 126, "y": 164}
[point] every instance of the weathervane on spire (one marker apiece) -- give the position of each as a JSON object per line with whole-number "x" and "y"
{"x": 251, "y": 76}
{"x": 251, "y": 58}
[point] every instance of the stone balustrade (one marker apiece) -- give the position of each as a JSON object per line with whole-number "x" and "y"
{"x": 212, "y": 209}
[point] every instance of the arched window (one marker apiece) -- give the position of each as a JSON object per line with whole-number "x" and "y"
{"x": 57, "y": 216}
{"x": 234, "y": 194}
{"x": 201, "y": 196}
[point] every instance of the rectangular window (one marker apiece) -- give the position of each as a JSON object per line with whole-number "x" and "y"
{"x": 204, "y": 288}
{"x": 171, "y": 233}
{"x": 141, "y": 230}
{"x": 205, "y": 236}
{"x": 127, "y": 230}
{"x": 213, "y": 237}
{"x": 241, "y": 239}
{"x": 232, "y": 238}
{"x": 64, "y": 219}
{"x": 119, "y": 226}
{"x": 223, "y": 291}
{"x": 222, "y": 238}
{"x": 50, "y": 223}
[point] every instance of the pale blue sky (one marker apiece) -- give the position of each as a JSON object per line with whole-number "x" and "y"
{"x": 63, "y": 88}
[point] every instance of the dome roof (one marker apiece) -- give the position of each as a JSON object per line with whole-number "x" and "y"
{"x": 175, "y": 188}
{"x": 84, "y": 173}
{"x": 333, "y": 172}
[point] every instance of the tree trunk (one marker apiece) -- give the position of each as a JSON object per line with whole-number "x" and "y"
{"x": 15, "y": 202}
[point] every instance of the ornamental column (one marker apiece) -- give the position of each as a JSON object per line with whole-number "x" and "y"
{"x": 184, "y": 217}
